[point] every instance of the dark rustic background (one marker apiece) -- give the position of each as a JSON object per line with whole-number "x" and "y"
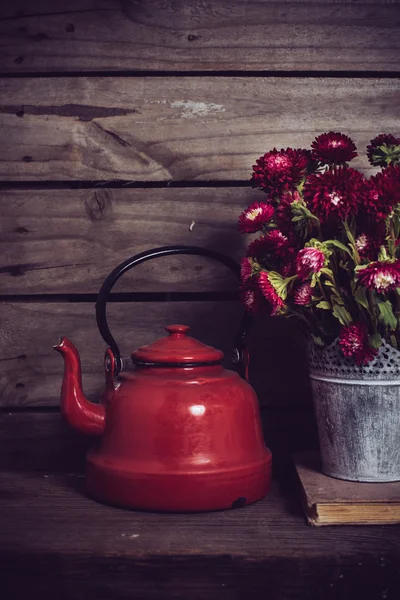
{"x": 132, "y": 124}
{"x": 126, "y": 125}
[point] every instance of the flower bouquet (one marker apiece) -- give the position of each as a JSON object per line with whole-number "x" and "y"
{"x": 328, "y": 253}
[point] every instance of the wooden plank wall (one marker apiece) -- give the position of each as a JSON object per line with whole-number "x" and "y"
{"x": 131, "y": 124}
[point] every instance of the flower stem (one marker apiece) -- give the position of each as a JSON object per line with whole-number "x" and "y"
{"x": 397, "y": 314}
{"x": 321, "y": 287}
{"x": 350, "y": 237}
{"x": 372, "y": 310}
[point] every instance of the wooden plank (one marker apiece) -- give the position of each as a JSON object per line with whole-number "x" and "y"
{"x": 67, "y": 241}
{"x": 188, "y": 128}
{"x": 41, "y": 441}
{"x": 31, "y": 372}
{"x": 68, "y": 546}
{"x": 155, "y": 35}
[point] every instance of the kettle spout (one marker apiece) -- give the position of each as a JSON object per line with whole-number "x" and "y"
{"x": 82, "y": 415}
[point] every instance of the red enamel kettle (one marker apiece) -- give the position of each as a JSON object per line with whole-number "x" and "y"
{"x": 178, "y": 432}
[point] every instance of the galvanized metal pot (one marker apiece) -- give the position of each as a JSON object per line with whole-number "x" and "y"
{"x": 358, "y": 414}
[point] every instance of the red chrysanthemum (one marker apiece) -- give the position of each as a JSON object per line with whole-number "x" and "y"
{"x": 283, "y": 214}
{"x": 365, "y": 245}
{"x": 309, "y": 261}
{"x": 246, "y": 269}
{"x": 333, "y": 148}
{"x": 273, "y": 243}
{"x": 353, "y": 341}
{"x": 289, "y": 268}
{"x": 251, "y": 296}
{"x": 384, "y": 150}
{"x": 334, "y": 194}
{"x": 382, "y": 192}
{"x": 380, "y": 276}
{"x": 274, "y": 300}
{"x": 255, "y": 217}
{"x": 279, "y": 170}
{"x": 302, "y": 294}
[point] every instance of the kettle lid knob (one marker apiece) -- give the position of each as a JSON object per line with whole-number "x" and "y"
{"x": 177, "y": 329}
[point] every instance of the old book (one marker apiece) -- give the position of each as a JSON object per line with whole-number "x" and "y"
{"x": 329, "y": 501}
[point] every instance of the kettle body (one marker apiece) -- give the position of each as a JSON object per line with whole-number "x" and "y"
{"x": 178, "y": 432}
{"x": 186, "y": 439}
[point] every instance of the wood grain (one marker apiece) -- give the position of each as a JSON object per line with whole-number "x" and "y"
{"x": 186, "y": 128}
{"x": 67, "y": 241}
{"x": 222, "y": 35}
{"x": 57, "y": 541}
{"x": 207, "y": 534}
{"x": 31, "y": 372}
{"x": 41, "y": 441}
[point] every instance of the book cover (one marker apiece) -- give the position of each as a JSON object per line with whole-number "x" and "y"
{"x": 330, "y": 501}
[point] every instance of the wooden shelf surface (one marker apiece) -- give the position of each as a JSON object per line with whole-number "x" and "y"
{"x": 56, "y": 541}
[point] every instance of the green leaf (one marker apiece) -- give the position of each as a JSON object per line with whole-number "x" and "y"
{"x": 327, "y": 272}
{"x": 280, "y": 284}
{"x": 360, "y": 296}
{"x": 302, "y": 217}
{"x": 338, "y": 245}
{"x": 382, "y": 256}
{"x": 342, "y": 315}
{"x": 337, "y": 299}
{"x": 359, "y": 268}
{"x": 375, "y": 340}
{"x": 324, "y": 305}
{"x": 317, "y": 340}
{"x": 386, "y": 315}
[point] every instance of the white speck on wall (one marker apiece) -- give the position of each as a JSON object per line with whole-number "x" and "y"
{"x": 191, "y": 110}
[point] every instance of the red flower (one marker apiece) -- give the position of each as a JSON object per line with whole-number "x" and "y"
{"x": 251, "y": 297}
{"x": 366, "y": 246}
{"x": 255, "y": 217}
{"x": 333, "y": 148}
{"x": 274, "y": 300}
{"x": 274, "y": 242}
{"x": 283, "y": 213}
{"x": 334, "y": 194}
{"x": 276, "y": 171}
{"x": 308, "y": 261}
{"x": 289, "y": 268}
{"x": 353, "y": 341}
{"x": 382, "y": 192}
{"x": 380, "y": 276}
{"x": 303, "y": 294}
{"x": 384, "y": 150}
{"x": 246, "y": 269}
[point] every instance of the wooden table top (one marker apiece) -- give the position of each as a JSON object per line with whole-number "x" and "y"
{"x": 55, "y": 540}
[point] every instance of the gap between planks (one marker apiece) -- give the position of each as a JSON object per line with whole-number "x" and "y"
{"x": 118, "y": 184}
{"x": 215, "y": 73}
{"x": 217, "y": 296}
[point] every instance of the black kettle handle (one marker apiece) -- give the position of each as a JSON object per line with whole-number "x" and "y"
{"x": 239, "y": 355}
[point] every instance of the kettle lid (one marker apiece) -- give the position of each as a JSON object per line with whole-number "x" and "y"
{"x": 178, "y": 350}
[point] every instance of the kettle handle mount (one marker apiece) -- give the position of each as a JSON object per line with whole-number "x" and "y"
{"x": 113, "y": 361}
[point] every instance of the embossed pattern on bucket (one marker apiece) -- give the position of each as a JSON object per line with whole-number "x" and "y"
{"x": 358, "y": 413}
